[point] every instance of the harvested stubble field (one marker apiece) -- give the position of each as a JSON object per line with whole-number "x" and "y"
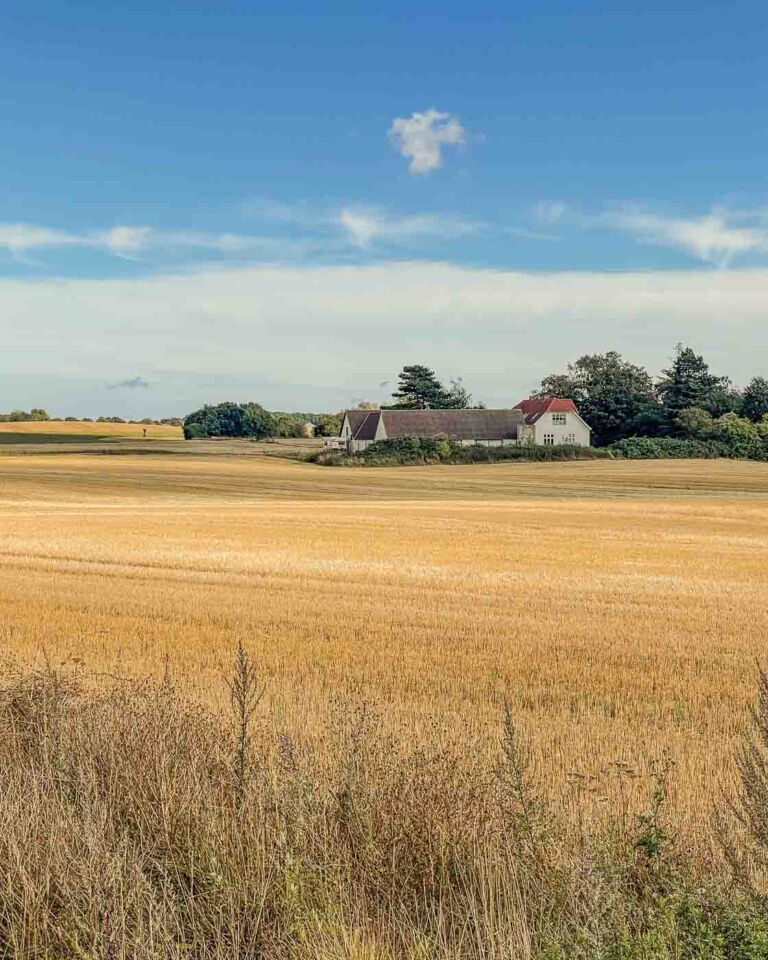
{"x": 620, "y": 605}
{"x": 73, "y": 430}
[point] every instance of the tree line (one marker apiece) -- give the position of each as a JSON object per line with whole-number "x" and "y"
{"x": 39, "y": 415}
{"x": 35, "y": 415}
{"x": 252, "y": 421}
{"x": 620, "y": 399}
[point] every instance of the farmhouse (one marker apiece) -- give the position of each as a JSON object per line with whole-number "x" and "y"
{"x": 550, "y": 420}
{"x": 546, "y": 422}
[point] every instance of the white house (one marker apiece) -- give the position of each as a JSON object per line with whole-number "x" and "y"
{"x": 549, "y": 421}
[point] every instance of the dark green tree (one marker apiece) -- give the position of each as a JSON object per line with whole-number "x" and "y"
{"x": 257, "y": 423}
{"x": 754, "y": 400}
{"x": 689, "y": 383}
{"x": 230, "y": 420}
{"x": 614, "y": 396}
{"x": 419, "y": 389}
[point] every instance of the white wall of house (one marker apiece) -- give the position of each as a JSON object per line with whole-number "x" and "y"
{"x": 490, "y": 443}
{"x": 561, "y": 428}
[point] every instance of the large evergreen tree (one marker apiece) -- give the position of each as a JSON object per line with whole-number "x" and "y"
{"x": 614, "y": 396}
{"x": 419, "y": 389}
{"x": 689, "y": 383}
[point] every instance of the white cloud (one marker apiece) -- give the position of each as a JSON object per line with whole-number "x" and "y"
{"x": 715, "y": 238}
{"x": 129, "y": 242}
{"x": 344, "y": 329}
{"x": 19, "y": 238}
{"x": 332, "y": 230}
{"x": 361, "y": 227}
{"x": 364, "y": 225}
{"x": 124, "y": 241}
{"x": 422, "y": 136}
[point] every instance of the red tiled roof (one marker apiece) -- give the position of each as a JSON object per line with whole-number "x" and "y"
{"x": 532, "y": 409}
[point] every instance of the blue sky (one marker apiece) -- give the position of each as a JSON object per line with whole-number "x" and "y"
{"x": 275, "y": 202}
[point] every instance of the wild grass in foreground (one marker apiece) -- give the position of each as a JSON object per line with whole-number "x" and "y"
{"x": 134, "y": 823}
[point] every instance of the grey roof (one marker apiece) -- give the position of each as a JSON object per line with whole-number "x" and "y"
{"x": 356, "y": 417}
{"x": 367, "y": 429}
{"x": 452, "y": 424}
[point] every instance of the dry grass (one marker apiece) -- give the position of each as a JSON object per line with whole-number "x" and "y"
{"x": 375, "y": 803}
{"x": 621, "y": 605}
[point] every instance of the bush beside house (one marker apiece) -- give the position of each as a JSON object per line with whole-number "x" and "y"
{"x": 426, "y": 450}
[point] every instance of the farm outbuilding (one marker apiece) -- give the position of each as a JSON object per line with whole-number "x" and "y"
{"x": 547, "y": 421}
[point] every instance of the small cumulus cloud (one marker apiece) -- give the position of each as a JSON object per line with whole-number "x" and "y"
{"x": 132, "y": 383}
{"x": 361, "y": 227}
{"x": 421, "y": 137}
{"x": 126, "y": 242}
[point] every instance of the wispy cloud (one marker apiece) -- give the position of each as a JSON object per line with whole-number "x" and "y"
{"x": 365, "y": 225}
{"x": 550, "y": 211}
{"x": 296, "y": 213}
{"x": 135, "y": 242}
{"x": 132, "y": 383}
{"x": 716, "y": 238}
{"x": 422, "y": 136}
{"x": 20, "y": 238}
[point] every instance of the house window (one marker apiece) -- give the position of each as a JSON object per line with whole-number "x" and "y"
{"x": 549, "y": 439}
{"x": 570, "y": 438}
{"x": 559, "y": 419}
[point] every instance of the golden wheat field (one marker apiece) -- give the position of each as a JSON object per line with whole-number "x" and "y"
{"x": 89, "y": 429}
{"x": 620, "y": 605}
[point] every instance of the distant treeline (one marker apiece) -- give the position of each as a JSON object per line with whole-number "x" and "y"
{"x": 251, "y": 421}
{"x": 24, "y": 416}
{"x": 38, "y": 415}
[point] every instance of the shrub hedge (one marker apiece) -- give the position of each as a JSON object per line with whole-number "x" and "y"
{"x": 685, "y": 448}
{"x": 411, "y": 451}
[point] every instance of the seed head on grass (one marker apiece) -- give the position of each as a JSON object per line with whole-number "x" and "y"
{"x": 245, "y": 693}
